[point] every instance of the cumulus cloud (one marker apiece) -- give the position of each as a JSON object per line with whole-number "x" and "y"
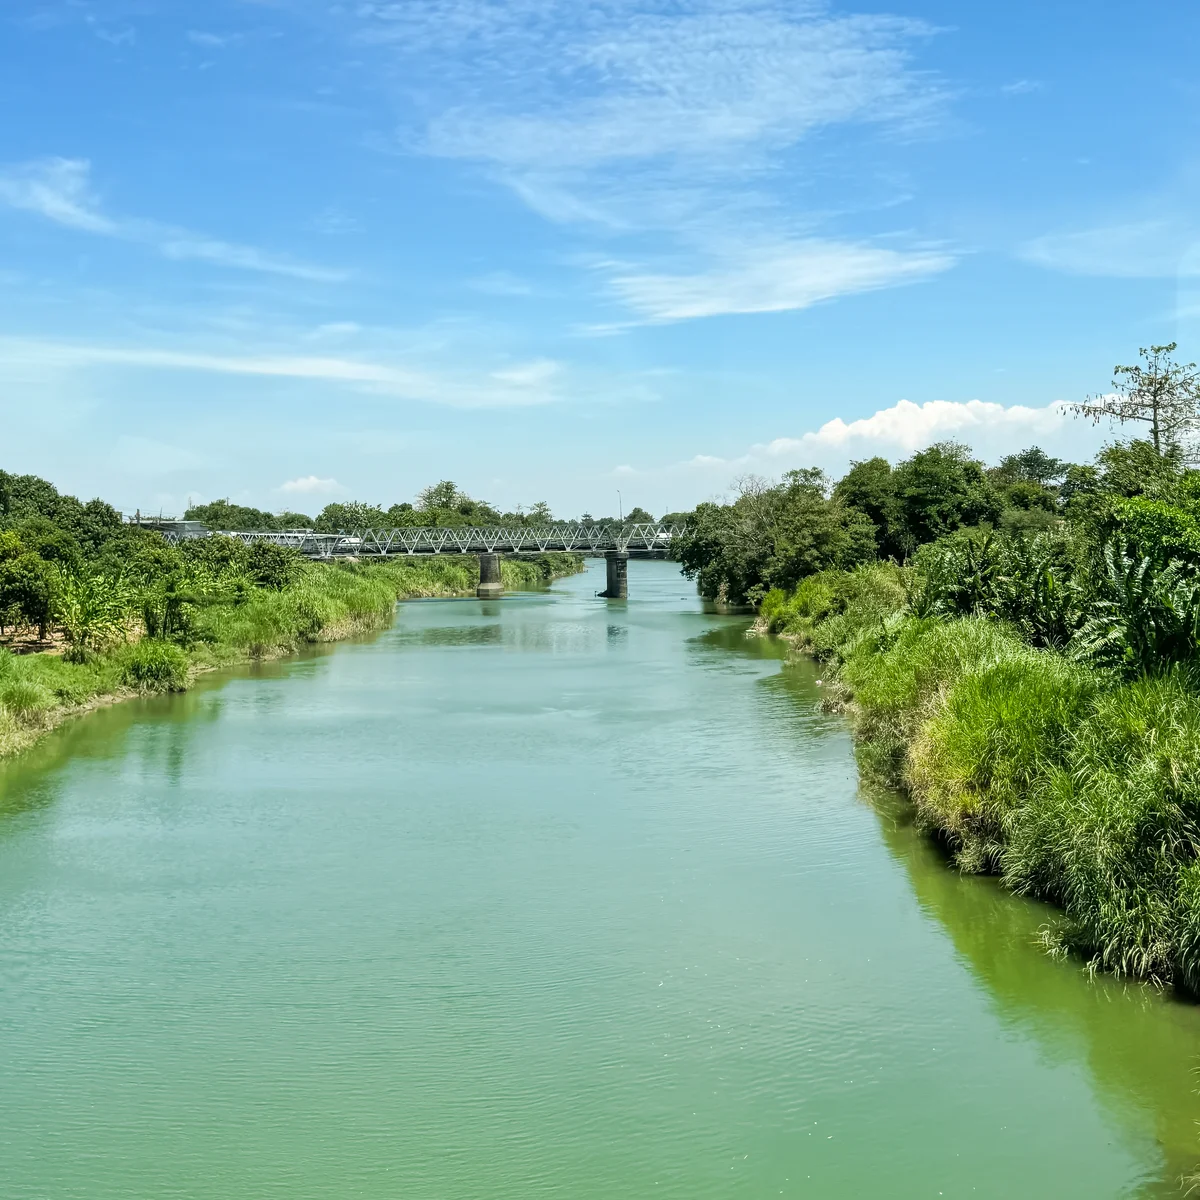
{"x": 311, "y": 485}
{"x": 59, "y": 189}
{"x": 990, "y": 429}
{"x": 907, "y": 427}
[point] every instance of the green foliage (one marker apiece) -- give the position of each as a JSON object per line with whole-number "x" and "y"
{"x": 27, "y": 591}
{"x": 772, "y": 537}
{"x": 92, "y": 610}
{"x": 272, "y": 566}
{"x": 224, "y": 514}
{"x": 988, "y": 737}
{"x": 1145, "y": 615}
{"x": 352, "y": 517}
{"x": 940, "y": 490}
{"x": 1112, "y": 832}
{"x": 154, "y": 665}
{"x": 1031, "y": 582}
{"x": 1158, "y": 391}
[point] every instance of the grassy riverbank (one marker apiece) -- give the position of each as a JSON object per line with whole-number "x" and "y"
{"x": 1077, "y": 785}
{"x": 321, "y": 603}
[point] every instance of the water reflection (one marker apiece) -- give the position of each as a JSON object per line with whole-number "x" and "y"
{"x": 1141, "y": 1047}
{"x": 454, "y": 635}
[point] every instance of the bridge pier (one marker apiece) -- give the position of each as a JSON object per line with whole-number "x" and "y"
{"x": 491, "y": 585}
{"x": 617, "y": 564}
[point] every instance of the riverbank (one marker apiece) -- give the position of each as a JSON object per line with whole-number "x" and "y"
{"x": 1068, "y": 783}
{"x": 323, "y": 603}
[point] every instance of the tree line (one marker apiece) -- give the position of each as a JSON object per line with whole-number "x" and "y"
{"x": 1106, "y": 552}
{"x": 442, "y": 505}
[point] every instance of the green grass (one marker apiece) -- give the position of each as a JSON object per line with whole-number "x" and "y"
{"x": 1069, "y": 784}
{"x": 326, "y": 602}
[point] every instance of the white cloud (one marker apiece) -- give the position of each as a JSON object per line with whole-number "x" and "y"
{"x": 59, "y": 189}
{"x": 529, "y": 374}
{"x": 514, "y": 386}
{"x": 211, "y": 41}
{"x": 907, "y": 427}
{"x": 671, "y": 116}
{"x": 1149, "y": 249}
{"x": 1022, "y": 87}
{"x": 776, "y": 279}
{"x": 990, "y": 429}
{"x": 311, "y": 485}
{"x": 564, "y": 87}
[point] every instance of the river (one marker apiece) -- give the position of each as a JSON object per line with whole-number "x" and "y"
{"x": 544, "y": 896}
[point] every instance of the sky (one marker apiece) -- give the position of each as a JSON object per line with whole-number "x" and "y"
{"x": 595, "y": 252}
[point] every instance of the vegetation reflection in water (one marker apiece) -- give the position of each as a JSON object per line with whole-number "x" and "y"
{"x": 616, "y": 917}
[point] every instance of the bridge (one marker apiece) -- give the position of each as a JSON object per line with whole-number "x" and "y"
{"x": 613, "y": 542}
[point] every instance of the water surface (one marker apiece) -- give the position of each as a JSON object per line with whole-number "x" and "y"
{"x": 545, "y": 896}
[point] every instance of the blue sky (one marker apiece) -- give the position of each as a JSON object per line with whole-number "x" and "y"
{"x": 292, "y": 251}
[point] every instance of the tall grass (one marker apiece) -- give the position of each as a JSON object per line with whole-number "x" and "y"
{"x": 1069, "y": 783}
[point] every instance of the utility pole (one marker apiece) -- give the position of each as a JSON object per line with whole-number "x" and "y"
{"x": 620, "y": 505}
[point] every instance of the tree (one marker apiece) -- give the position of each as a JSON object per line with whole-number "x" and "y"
{"x": 870, "y": 487}
{"x": 771, "y": 536}
{"x": 1164, "y": 394}
{"x": 1030, "y": 466}
{"x": 274, "y": 566}
{"x": 446, "y": 494}
{"x": 352, "y": 517}
{"x": 27, "y": 590}
{"x": 638, "y": 516}
{"x": 224, "y": 514}
{"x": 941, "y": 489}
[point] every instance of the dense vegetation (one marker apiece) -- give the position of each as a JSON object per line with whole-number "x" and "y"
{"x": 441, "y": 504}
{"x": 102, "y": 608}
{"x": 1019, "y": 648}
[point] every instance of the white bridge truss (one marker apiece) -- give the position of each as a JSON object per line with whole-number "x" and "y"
{"x": 590, "y": 540}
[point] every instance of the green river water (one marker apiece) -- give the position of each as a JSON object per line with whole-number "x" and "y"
{"x": 544, "y": 896}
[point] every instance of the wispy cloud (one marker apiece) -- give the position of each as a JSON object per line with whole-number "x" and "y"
{"x": 1022, "y": 87}
{"x": 511, "y": 386}
{"x": 669, "y": 116}
{"x": 211, "y": 41}
{"x": 776, "y": 279}
{"x": 1147, "y": 249}
{"x": 60, "y": 190}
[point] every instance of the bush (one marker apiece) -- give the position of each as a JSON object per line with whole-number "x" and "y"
{"x": 155, "y": 665}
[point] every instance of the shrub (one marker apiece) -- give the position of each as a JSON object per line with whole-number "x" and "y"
{"x": 155, "y": 665}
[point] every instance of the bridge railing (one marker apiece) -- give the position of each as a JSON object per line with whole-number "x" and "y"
{"x": 595, "y": 538}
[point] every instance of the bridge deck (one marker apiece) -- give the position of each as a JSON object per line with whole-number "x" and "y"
{"x": 592, "y": 540}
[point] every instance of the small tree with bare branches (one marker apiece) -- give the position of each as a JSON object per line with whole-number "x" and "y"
{"x": 1162, "y": 393}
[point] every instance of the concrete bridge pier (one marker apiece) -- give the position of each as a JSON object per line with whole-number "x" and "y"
{"x": 617, "y": 562}
{"x": 491, "y": 586}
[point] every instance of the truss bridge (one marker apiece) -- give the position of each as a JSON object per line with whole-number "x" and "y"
{"x": 614, "y": 542}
